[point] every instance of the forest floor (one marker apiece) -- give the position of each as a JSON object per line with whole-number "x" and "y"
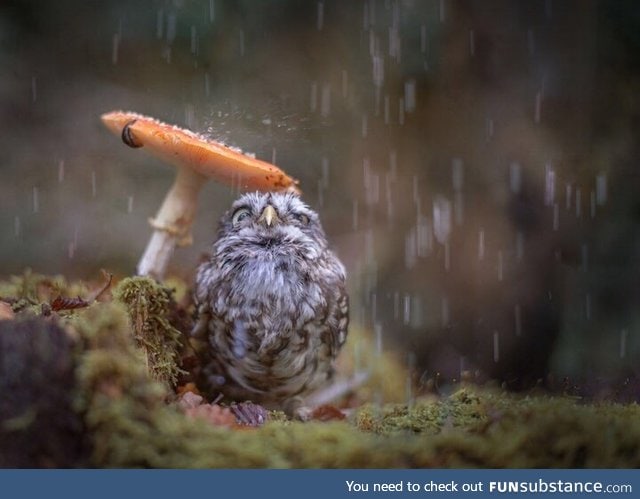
{"x": 98, "y": 379}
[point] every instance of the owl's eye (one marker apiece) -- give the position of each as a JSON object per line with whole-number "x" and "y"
{"x": 240, "y": 215}
{"x": 302, "y": 218}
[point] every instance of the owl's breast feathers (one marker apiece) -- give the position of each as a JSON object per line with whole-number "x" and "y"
{"x": 275, "y": 320}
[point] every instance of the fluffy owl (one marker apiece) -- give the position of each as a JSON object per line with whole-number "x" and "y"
{"x": 272, "y": 306}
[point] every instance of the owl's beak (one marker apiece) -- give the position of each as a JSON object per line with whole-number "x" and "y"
{"x": 269, "y": 216}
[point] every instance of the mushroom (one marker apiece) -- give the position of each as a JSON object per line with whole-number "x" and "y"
{"x": 197, "y": 159}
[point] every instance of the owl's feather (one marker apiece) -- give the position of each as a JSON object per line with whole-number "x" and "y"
{"x": 273, "y": 310}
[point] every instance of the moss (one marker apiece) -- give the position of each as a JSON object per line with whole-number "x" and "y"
{"x": 128, "y": 423}
{"x": 148, "y": 305}
{"x": 27, "y": 292}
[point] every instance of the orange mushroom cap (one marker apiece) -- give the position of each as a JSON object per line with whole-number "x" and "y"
{"x": 181, "y": 147}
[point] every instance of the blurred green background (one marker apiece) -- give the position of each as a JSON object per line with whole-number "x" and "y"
{"x": 475, "y": 163}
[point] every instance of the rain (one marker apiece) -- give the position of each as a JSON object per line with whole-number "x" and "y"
{"x": 473, "y": 166}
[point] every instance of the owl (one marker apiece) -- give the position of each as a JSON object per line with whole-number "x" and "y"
{"x": 272, "y": 307}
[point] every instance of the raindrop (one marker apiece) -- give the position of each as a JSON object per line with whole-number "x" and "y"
{"x": 496, "y": 346}
{"x": 355, "y": 214}
{"x": 36, "y": 201}
{"x": 556, "y": 216}
{"x": 320, "y": 193}
{"x": 166, "y": 54}
{"x": 601, "y": 189}
{"x": 320, "y": 22}
{"x": 115, "y": 47}
{"x": 500, "y": 266}
{"x": 519, "y": 245}
{"x": 388, "y": 196}
{"x": 345, "y": 84}
{"x": 273, "y": 156}
{"x": 457, "y": 173}
{"x": 411, "y": 365}
{"x": 515, "y": 177}
{"x": 407, "y": 309}
{"x": 378, "y": 70}
{"x": 458, "y": 207}
{"x": 416, "y": 312}
{"x": 386, "y": 110}
{"x": 396, "y": 305}
{"x": 481, "y": 245}
{"x": 578, "y": 203}
{"x": 444, "y": 311}
{"x": 623, "y": 343}
{"x": 423, "y": 38}
{"x": 410, "y": 249}
{"x": 423, "y": 236}
{"x": 159, "y": 24}
{"x": 212, "y": 11}
{"x": 325, "y": 172}
{"x": 538, "y": 108}
{"x": 489, "y": 129}
{"x": 410, "y": 95}
{"x": 518, "y": 319}
{"x": 374, "y": 307}
{"x": 194, "y": 40}
{"x": 241, "y": 41}
{"x": 61, "y": 171}
{"x": 171, "y": 27}
{"x": 441, "y": 218}
{"x": 568, "y": 192}
{"x": 393, "y": 165}
{"x": 73, "y": 245}
{"x": 365, "y": 16}
{"x": 325, "y": 101}
{"x": 441, "y": 11}
{"x": 447, "y": 256}
{"x": 377, "y": 328}
{"x": 34, "y": 89}
{"x": 372, "y": 43}
{"x": 93, "y": 184}
{"x": 130, "y": 204}
{"x": 472, "y": 43}
{"x": 313, "y": 103}
{"x": 371, "y": 183}
{"x": 549, "y": 185}
{"x": 17, "y": 226}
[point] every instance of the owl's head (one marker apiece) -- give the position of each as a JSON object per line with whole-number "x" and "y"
{"x": 275, "y": 222}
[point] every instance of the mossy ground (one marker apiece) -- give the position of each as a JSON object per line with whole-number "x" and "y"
{"x": 129, "y": 420}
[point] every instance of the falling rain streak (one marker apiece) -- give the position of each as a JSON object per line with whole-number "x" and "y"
{"x": 34, "y": 89}
{"x": 115, "y": 48}
{"x": 623, "y": 343}
{"x": 320, "y": 18}
{"x": 36, "y": 200}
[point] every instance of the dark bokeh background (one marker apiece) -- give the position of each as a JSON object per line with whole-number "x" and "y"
{"x": 475, "y": 162}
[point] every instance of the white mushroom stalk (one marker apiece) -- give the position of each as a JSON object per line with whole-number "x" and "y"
{"x": 196, "y": 159}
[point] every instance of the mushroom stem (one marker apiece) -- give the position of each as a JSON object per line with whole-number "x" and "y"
{"x": 172, "y": 224}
